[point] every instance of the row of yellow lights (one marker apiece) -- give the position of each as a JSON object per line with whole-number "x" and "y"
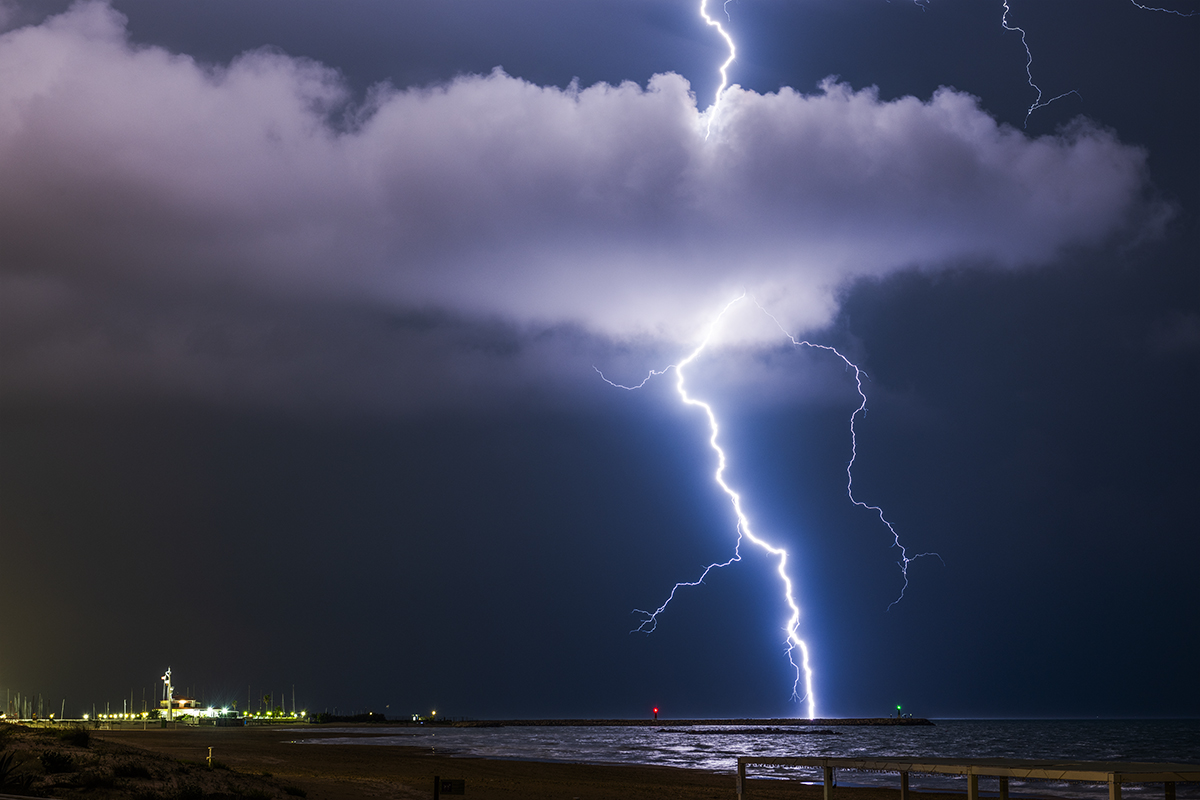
{"x": 211, "y": 711}
{"x": 5, "y": 716}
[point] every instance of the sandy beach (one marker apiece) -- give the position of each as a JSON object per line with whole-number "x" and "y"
{"x": 339, "y": 772}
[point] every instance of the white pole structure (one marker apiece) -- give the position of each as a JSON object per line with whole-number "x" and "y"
{"x": 166, "y": 679}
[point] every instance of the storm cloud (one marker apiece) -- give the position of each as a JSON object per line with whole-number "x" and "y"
{"x": 141, "y": 189}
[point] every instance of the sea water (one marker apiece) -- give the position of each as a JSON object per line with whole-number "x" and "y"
{"x": 717, "y": 747}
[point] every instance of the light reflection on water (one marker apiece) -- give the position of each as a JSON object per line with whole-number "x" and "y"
{"x": 717, "y": 747}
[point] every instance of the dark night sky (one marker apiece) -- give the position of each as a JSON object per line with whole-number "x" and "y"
{"x": 301, "y": 393}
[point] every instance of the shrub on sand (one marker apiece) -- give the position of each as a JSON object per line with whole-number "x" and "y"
{"x": 76, "y": 735}
{"x": 54, "y": 762}
{"x": 129, "y": 769}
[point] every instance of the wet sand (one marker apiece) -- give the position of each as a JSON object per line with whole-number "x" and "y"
{"x": 344, "y": 771}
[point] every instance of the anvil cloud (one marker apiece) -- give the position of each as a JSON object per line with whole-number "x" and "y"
{"x": 131, "y": 171}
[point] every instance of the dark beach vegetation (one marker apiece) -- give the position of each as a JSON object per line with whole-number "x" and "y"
{"x": 70, "y": 762}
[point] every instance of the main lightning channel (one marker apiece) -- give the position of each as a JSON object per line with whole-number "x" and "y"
{"x": 803, "y": 669}
{"x": 715, "y": 23}
{"x": 744, "y": 530}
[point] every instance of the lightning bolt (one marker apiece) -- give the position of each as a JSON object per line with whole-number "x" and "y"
{"x": 1164, "y": 10}
{"x": 745, "y": 530}
{"x": 724, "y": 70}
{"x": 1038, "y": 102}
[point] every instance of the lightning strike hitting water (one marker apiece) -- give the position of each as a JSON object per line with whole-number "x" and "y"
{"x": 708, "y": 20}
{"x": 1037, "y": 103}
{"x": 744, "y": 529}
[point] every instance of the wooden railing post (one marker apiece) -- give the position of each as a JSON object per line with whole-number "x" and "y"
{"x": 903, "y": 786}
{"x": 829, "y": 783}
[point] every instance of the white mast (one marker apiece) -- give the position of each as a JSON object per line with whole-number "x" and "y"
{"x": 166, "y": 679}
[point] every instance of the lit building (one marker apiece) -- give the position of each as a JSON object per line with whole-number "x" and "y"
{"x": 183, "y": 707}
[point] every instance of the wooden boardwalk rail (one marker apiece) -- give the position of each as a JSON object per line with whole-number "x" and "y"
{"x": 1114, "y": 773}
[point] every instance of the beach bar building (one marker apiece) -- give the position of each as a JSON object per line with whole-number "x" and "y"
{"x": 182, "y": 707}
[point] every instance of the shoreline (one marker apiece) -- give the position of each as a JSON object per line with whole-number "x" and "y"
{"x": 345, "y": 771}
